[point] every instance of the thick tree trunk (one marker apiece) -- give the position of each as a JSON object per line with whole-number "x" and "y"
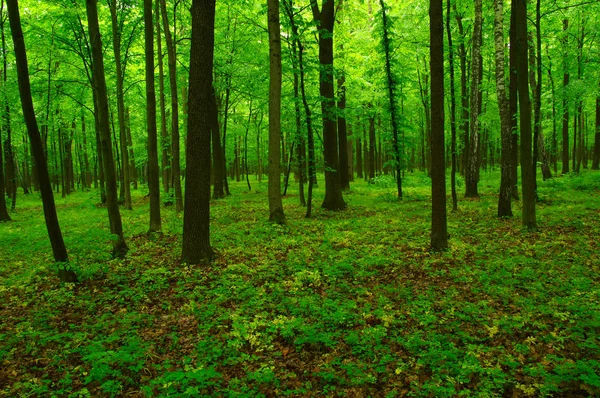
{"x": 276, "y": 214}
{"x": 472, "y": 173}
{"x": 153, "y": 179}
{"x": 325, "y": 18}
{"x": 114, "y": 216}
{"x": 116, "y": 33}
{"x": 504, "y": 199}
{"x": 56, "y": 240}
{"x": 527, "y": 183}
{"x": 439, "y": 229}
{"x": 196, "y": 219}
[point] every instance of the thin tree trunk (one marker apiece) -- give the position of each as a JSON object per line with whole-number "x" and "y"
{"x": 276, "y": 213}
{"x": 153, "y": 179}
{"x": 472, "y": 173}
{"x": 392, "y": 99}
{"x": 343, "y": 133}
{"x": 565, "y": 102}
{"x": 452, "y": 108}
{"x": 504, "y": 199}
{"x": 125, "y": 170}
{"x": 114, "y": 216}
{"x": 56, "y": 240}
{"x": 164, "y": 139}
{"x": 217, "y": 151}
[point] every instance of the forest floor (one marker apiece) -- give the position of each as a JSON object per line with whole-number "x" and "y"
{"x": 347, "y": 303}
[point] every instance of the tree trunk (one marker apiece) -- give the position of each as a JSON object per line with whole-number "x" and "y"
{"x": 343, "y": 133}
{"x": 391, "y": 83}
{"x": 452, "y": 109}
{"x": 372, "y": 145}
{"x": 175, "y": 148}
{"x": 196, "y": 219}
{"x": 217, "y": 151}
{"x": 56, "y": 240}
{"x": 153, "y": 179}
{"x": 325, "y": 19}
{"x": 565, "y": 102}
{"x": 439, "y": 229}
{"x": 464, "y": 96}
{"x": 513, "y": 103}
{"x": 3, "y": 210}
{"x": 504, "y": 199}
{"x": 276, "y": 214}
{"x": 596, "y": 161}
{"x": 114, "y": 216}
{"x": 116, "y": 33}
{"x": 527, "y": 183}
{"x": 472, "y": 173}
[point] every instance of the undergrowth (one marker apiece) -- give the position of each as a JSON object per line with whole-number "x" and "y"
{"x": 344, "y": 304}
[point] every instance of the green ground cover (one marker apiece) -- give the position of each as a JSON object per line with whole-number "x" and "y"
{"x": 343, "y": 304}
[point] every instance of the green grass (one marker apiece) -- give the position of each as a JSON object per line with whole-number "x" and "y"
{"x": 344, "y": 304}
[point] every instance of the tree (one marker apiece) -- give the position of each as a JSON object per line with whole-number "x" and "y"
{"x": 276, "y": 214}
{"x": 325, "y": 19}
{"x": 452, "y": 108}
{"x": 59, "y": 249}
{"x": 175, "y": 149}
{"x": 439, "y": 228}
{"x": 504, "y": 199}
{"x": 472, "y": 172}
{"x": 120, "y": 103}
{"x": 565, "y": 103}
{"x": 596, "y": 160}
{"x": 392, "y": 97}
{"x": 153, "y": 179}
{"x": 116, "y": 227}
{"x": 196, "y": 219}
{"x": 527, "y": 183}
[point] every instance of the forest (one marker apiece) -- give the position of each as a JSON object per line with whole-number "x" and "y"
{"x": 362, "y": 198}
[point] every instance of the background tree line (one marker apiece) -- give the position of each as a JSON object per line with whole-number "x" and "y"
{"x": 360, "y": 96}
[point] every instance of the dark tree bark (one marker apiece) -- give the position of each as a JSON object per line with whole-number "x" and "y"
{"x": 452, "y": 108}
{"x": 11, "y": 175}
{"x": 472, "y": 172}
{"x": 56, "y": 240}
{"x": 527, "y": 183}
{"x": 175, "y": 147}
{"x": 153, "y": 179}
{"x": 391, "y": 83}
{"x": 116, "y": 33}
{"x": 504, "y": 199}
{"x": 439, "y": 228}
{"x": 565, "y": 102}
{"x": 114, "y": 216}
{"x": 325, "y": 18}
{"x": 276, "y": 214}
{"x": 196, "y": 219}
